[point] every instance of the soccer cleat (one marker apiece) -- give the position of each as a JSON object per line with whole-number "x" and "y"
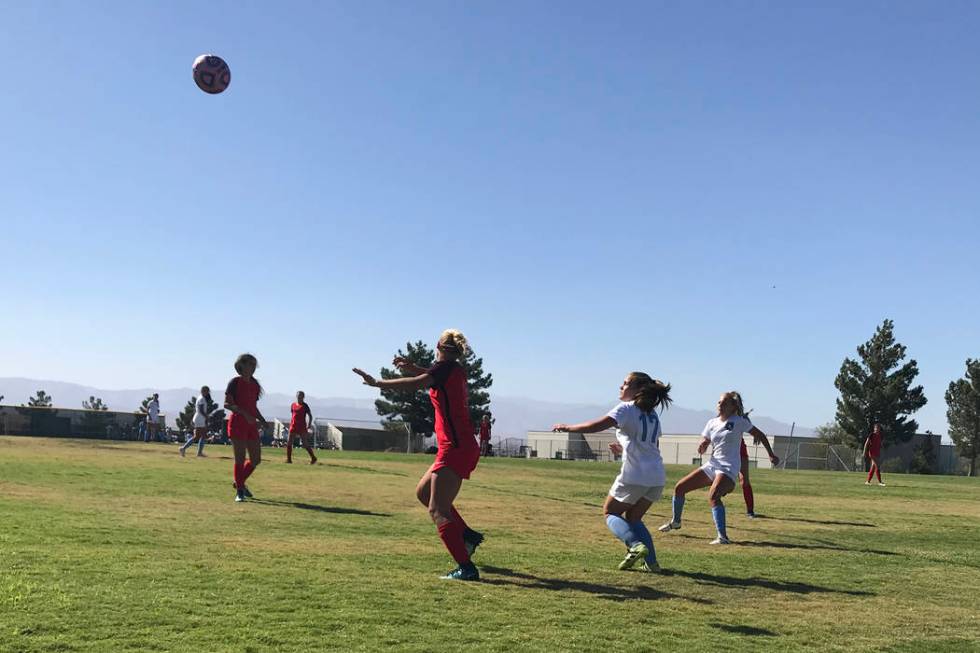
{"x": 239, "y": 496}
{"x": 467, "y": 571}
{"x": 646, "y": 567}
{"x": 472, "y": 540}
{"x": 201, "y": 455}
{"x": 750, "y": 515}
{"x": 721, "y": 539}
{"x": 248, "y": 495}
{"x": 635, "y": 552}
{"x": 881, "y": 484}
{"x": 313, "y": 460}
{"x": 181, "y": 453}
{"x": 670, "y": 526}
{"x": 867, "y": 482}
{"x": 289, "y": 461}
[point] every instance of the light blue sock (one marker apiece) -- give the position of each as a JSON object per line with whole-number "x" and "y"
{"x": 718, "y": 512}
{"x": 184, "y": 446}
{"x": 678, "y": 504}
{"x": 200, "y": 447}
{"x": 621, "y": 529}
{"x": 644, "y": 534}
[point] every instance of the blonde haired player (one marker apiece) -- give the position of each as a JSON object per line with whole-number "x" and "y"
{"x": 724, "y": 434}
{"x": 458, "y": 452}
{"x": 642, "y": 477}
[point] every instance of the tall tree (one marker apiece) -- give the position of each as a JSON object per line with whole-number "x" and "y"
{"x": 94, "y": 403}
{"x": 415, "y": 407}
{"x": 185, "y": 419}
{"x": 963, "y": 413}
{"x": 877, "y": 389}
{"x": 41, "y": 400}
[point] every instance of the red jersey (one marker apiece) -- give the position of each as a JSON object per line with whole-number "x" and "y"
{"x": 297, "y": 423}
{"x": 485, "y": 431}
{"x": 874, "y": 444}
{"x": 245, "y": 395}
{"x": 450, "y": 398}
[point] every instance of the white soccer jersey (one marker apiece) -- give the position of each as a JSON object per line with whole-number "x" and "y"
{"x": 725, "y": 436}
{"x": 639, "y": 433}
{"x": 201, "y": 413}
{"x": 153, "y": 409}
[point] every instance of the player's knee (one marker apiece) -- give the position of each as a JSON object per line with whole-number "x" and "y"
{"x": 438, "y": 515}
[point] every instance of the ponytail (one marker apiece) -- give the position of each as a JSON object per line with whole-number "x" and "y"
{"x": 651, "y": 393}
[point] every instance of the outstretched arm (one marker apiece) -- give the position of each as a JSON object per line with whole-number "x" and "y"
{"x": 404, "y": 383}
{"x": 407, "y": 367}
{"x": 760, "y": 437}
{"x": 594, "y": 426}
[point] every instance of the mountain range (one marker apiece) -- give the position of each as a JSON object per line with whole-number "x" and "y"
{"x": 513, "y": 416}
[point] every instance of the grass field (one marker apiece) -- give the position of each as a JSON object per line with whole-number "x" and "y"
{"x": 127, "y": 547}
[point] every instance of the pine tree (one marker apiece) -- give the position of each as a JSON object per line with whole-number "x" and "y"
{"x": 876, "y": 390}
{"x": 185, "y": 420}
{"x": 415, "y": 407}
{"x": 143, "y": 410}
{"x": 963, "y": 413}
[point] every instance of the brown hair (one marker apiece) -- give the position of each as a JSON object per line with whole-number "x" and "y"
{"x": 651, "y": 393}
{"x": 736, "y": 399}
{"x": 242, "y": 361}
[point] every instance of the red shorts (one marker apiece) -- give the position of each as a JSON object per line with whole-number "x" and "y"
{"x": 298, "y": 432}
{"x": 462, "y": 461}
{"x": 243, "y": 431}
{"x": 874, "y": 453}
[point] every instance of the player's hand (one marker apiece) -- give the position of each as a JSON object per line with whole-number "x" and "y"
{"x": 774, "y": 460}
{"x": 702, "y": 447}
{"x": 560, "y": 427}
{"x": 368, "y": 379}
{"x": 616, "y": 448}
{"x": 400, "y": 362}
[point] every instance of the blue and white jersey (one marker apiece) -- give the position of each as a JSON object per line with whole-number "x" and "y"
{"x": 639, "y": 433}
{"x": 725, "y": 436}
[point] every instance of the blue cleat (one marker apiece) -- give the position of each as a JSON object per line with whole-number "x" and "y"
{"x": 466, "y": 571}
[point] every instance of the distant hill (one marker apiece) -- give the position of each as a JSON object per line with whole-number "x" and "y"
{"x": 514, "y": 415}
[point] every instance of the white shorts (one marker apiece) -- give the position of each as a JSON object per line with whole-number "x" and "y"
{"x": 200, "y": 421}
{"x": 713, "y": 468}
{"x": 629, "y": 493}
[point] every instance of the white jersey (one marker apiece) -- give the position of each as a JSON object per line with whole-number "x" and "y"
{"x": 153, "y": 410}
{"x": 639, "y": 433}
{"x": 725, "y": 436}
{"x": 201, "y": 413}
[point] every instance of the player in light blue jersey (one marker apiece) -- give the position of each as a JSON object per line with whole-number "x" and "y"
{"x": 642, "y": 477}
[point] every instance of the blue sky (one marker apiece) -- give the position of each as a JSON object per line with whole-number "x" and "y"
{"x": 726, "y": 195}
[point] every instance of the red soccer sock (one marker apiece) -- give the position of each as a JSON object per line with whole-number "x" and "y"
{"x": 459, "y": 518}
{"x": 871, "y": 473}
{"x": 877, "y": 473}
{"x": 749, "y": 497}
{"x": 451, "y": 534}
{"x": 247, "y": 470}
{"x": 289, "y": 450}
{"x": 239, "y": 478}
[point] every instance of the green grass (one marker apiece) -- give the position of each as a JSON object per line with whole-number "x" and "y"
{"x": 127, "y": 547}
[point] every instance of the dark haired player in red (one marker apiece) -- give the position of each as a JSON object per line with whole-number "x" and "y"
{"x": 484, "y": 434}
{"x": 299, "y": 425}
{"x": 872, "y": 450}
{"x": 458, "y": 451}
{"x": 241, "y": 400}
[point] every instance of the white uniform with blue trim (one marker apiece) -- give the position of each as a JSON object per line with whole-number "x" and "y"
{"x": 725, "y": 437}
{"x": 642, "y": 475}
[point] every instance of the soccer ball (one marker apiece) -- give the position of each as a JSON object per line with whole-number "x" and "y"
{"x": 211, "y": 73}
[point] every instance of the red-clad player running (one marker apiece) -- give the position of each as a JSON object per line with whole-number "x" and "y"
{"x": 458, "y": 452}
{"x": 241, "y": 400}
{"x": 299, "y": 425}
{"x": 484, "y": 434}
{"x": 872, "y": 450}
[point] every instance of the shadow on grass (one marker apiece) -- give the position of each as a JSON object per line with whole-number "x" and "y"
{"x": 826, "y": 522}
{"x": 743, "y": 630}
{"x": 358, "y": 468}
{"x": 764, "y": 583}
{"x": 809, "y": 546}
{"x": 334, "y": 510}
{"x": 609, "y": 592}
